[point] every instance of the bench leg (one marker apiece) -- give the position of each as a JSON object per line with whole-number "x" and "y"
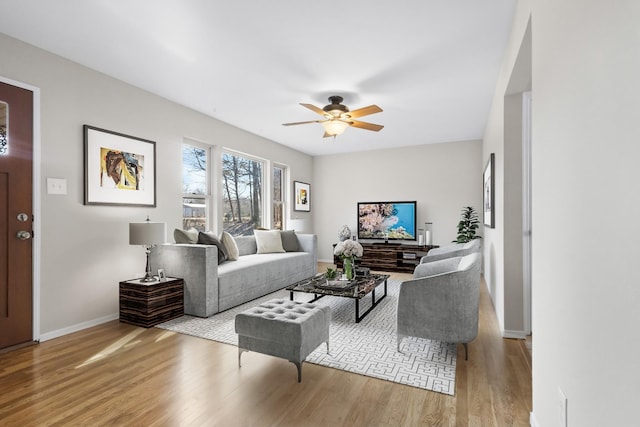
{"x": 299, "y": 366}
{"x": 240, "y": 351}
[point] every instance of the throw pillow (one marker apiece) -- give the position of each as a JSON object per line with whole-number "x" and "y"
{"x": 230, "y": 244}
{"x": 212, "y": 239}
{"x": 290, "y": 241}
{"x": 185, "y": 236}
{"x": 268, "y": 241}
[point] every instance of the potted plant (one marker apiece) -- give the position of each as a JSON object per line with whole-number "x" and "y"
{"x": 330, "y": 273}
{"x": 468, "y": 225}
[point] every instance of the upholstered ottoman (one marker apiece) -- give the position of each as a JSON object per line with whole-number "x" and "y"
{"x": 283, "y": 328}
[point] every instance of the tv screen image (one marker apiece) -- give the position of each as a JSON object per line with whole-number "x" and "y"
{"x": 387, "y": 220}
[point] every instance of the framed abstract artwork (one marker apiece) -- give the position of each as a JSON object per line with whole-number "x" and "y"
{"x": 301, "y": 196}
{"x": 488, "y": 193}
{"x": 119, "y": 169}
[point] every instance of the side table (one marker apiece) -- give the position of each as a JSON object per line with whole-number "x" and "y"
{"x": 147, "y": 304}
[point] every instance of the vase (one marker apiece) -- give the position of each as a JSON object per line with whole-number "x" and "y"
{"x": 347, "y": 266}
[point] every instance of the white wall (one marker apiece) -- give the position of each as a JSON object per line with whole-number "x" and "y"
{"x": 503, "y": 244}
{"x": 442, "y": 178}
{"x": 85, "y": 251}
{"x": 586, "y": 291}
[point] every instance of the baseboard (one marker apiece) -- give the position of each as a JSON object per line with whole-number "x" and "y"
{"x": 532, "y": 420}
{"x": 518, "y": 335}
{"x": 80, "y": 326}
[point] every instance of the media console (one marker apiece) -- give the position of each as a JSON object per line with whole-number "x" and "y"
{"x": 389, "y": 257}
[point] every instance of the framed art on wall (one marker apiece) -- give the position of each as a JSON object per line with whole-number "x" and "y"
{"x": 301, "y": 196}
{"x": 488, "y": 193}
{"x": 119, "y": 169}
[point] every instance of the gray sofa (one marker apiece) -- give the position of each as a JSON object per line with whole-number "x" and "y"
{"x": 211, "y": 288}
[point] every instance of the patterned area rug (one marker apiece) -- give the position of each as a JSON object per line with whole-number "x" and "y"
{"x": 366, "y": 348}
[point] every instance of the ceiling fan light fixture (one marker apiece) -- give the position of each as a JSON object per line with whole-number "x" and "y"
{"x": 335, "y": 127}
{"x": 335, "y": 108}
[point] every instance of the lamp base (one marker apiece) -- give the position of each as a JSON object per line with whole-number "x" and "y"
{"x": 148, "y": 277}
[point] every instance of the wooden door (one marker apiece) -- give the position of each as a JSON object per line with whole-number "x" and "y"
{"x": 16, "y": 216}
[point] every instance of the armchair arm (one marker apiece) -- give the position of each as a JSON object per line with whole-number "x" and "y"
{"x": 437, "y": 267}
{"x": 454, "y": 250}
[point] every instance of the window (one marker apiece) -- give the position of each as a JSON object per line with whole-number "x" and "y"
{"x": 196, "y": 197}
{"x": 242, "y": 189}
{"x": 277, "y": 198}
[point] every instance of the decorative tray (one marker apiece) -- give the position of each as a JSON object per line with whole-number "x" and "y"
{"x": 336, "y": 284}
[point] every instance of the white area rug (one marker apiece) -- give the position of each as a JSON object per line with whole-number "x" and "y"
{"x": 366, "y": 348}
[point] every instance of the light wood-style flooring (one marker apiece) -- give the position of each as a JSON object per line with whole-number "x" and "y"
{"x": 120, "y": 375}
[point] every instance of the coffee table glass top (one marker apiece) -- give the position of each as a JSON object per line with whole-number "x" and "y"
{"x": 359, "y": 287}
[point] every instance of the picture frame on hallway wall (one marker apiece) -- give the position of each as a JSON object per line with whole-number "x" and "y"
{"x": 119, "y": 169}
{"x": 301, "y": 196}
{"x": 488, "y": 193}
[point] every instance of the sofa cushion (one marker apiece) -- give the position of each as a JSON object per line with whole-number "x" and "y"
{"x": 246, "y": 245}
{"x": 185, "y": 236}
{"x": 230, "y": 245}
{"x": 268, "y": 242}
{"x": 212, "y": 239}
{"x": 290, "y": 241}
{"x": 253, "y": 276}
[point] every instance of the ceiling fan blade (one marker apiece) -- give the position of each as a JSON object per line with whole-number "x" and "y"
{"x": 365, "y": 125}
{"x": 302, "y": 123}
{"x": 364, "y": 111}
{"x": 314, "y": 109}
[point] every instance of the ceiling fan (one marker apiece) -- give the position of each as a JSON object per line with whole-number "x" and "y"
{"x": 337, "y": 117}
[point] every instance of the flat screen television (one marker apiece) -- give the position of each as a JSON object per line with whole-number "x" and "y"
{"x": 387, "y": 220}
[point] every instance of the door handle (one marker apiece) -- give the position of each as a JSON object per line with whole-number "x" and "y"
{"x": 23, "y": 235}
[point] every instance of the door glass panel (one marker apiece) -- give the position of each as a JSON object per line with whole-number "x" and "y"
{"x": 4, "y": 125}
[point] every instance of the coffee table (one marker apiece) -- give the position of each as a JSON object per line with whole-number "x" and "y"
{"x": 357, "y": 289}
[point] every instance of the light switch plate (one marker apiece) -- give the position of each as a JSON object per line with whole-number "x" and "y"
{"x": 56, "y": 186}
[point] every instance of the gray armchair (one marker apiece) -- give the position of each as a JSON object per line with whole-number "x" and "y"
{"x": 441, "y": 302}
{"x": 453, "y": 250}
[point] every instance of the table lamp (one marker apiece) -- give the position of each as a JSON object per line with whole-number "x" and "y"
{"x": 147, "y": 234}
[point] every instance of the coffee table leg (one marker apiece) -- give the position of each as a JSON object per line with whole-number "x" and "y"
{"x": 373, "y": 303}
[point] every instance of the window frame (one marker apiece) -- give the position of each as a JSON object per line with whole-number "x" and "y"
{"x": 284, "y": 194}
{"x": 208, "y": 197}
{"x": 265, "y": 211}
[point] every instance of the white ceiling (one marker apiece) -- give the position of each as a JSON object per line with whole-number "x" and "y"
{"x": 431, "y": 65}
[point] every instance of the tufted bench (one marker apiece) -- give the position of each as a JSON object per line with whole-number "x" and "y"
{"x": 283, "y": 328}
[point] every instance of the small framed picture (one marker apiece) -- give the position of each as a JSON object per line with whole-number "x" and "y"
{"x": 301, "y": 196}
{"x": 161, "y": 276}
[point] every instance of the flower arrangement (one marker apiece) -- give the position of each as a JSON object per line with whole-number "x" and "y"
{"x": 348, "y": 250}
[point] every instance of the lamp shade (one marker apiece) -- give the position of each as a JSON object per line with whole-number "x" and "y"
{"x": 334, "y": 127}
{"x": 147, "y": 233}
